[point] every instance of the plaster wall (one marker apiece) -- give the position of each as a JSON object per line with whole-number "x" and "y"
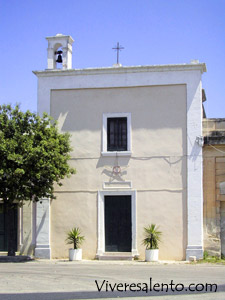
{"x": 26, "y": 229}
{"x": 158, "y": 114}
{"x": 77, "y": 209}
{"x": 156, "y": 168}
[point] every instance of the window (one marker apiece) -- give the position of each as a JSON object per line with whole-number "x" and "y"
{"x": 116, "y": 134}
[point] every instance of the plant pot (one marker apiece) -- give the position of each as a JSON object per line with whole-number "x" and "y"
{"x": 75, "y": 254}
{"x": 152, "y": 255}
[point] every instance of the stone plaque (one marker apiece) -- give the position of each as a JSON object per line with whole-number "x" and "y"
{"x": 222, "y": 188}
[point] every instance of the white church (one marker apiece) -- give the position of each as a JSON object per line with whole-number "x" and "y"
{"x": 136, "y": 134}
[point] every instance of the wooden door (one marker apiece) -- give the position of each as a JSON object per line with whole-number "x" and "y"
{"x": 3, "y": 228}
{"x": 118, "y": 223}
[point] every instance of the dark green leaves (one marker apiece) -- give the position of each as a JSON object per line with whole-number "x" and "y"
{"x": 74, "y": 237}
{"x": 152, "y": 237}
{"x": 33, "y": 155}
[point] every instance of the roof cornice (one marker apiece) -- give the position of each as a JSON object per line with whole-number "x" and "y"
{"x": 60, "y": 37}
{"x": 120, "y": 70}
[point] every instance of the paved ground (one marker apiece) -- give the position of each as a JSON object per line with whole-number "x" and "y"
{"x": 61, "y": 280}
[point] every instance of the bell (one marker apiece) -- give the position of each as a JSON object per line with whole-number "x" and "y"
{"x": 59, "y": 59}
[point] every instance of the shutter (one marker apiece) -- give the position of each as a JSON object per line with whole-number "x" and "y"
{"x": 117, "y": 134}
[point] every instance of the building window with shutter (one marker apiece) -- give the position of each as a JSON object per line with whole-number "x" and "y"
{"x": 116, "y": 137}
{"x": 117, "y": 134}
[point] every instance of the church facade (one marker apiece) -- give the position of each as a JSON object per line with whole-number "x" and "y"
{"x": 136, "y": 134}
{"x": 137, "y": 148}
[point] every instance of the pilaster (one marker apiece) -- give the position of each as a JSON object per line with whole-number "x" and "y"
{"x": 42, "y": 249}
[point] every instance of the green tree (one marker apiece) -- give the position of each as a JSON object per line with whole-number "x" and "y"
{"x": 33, "y": 156}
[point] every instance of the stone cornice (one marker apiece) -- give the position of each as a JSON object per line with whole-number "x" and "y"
{"x": 60, "y": 36}
{"x": 121, "y": 70}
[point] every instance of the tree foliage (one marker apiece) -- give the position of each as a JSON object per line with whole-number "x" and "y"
{"x": 33, "y": 155}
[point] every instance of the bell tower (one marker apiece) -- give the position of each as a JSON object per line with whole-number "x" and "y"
{"x": 59, "y": 52}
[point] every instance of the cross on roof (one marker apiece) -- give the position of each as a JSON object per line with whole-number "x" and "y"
{"x": 118, "y": 48}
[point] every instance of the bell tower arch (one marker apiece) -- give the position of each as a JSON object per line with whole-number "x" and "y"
{"x": 59, "y": 52}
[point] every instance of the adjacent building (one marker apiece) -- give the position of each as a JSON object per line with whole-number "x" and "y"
{"x": 214, "y": 186}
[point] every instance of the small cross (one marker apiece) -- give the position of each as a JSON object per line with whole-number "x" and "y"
{"x": 118, "y": 48}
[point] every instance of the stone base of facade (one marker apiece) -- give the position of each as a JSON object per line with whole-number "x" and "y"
{"x": 196, "y": 251}
{"x": 44, "y": 253}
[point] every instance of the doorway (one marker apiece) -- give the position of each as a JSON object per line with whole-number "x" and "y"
{"x": 118, "y": 231}
{"x": 3, "y": 228}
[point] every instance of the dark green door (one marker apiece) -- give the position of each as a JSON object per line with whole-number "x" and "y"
{"x": 3, "y": 236}
{"x": 3, "y": 228}
{"x": 118, "y": 223}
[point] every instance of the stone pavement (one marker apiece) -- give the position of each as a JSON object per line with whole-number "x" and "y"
{"x": 63, "y": 280}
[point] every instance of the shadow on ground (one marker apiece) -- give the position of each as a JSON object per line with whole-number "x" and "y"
{"x": 94, "y": 294}
{"x": 15, "y": 259}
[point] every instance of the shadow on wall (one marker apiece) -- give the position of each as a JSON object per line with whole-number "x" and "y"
{"x": 27, "y": 247}
{"x": 41, "y": 224}
{"x": 114, "y": 167}
{"x": 157, "y": 107}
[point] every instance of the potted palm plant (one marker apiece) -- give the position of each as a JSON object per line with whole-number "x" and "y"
{"x": 151, "y": 241}
{"x": 74, "y": 237}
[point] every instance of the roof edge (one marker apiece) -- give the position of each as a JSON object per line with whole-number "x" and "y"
{"x": 124, "y": 69}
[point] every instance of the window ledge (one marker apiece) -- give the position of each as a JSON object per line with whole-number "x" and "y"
{"x": 116, "y": 153}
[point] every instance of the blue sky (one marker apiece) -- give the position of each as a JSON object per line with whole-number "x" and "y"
{"x": 151, "y": 31}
